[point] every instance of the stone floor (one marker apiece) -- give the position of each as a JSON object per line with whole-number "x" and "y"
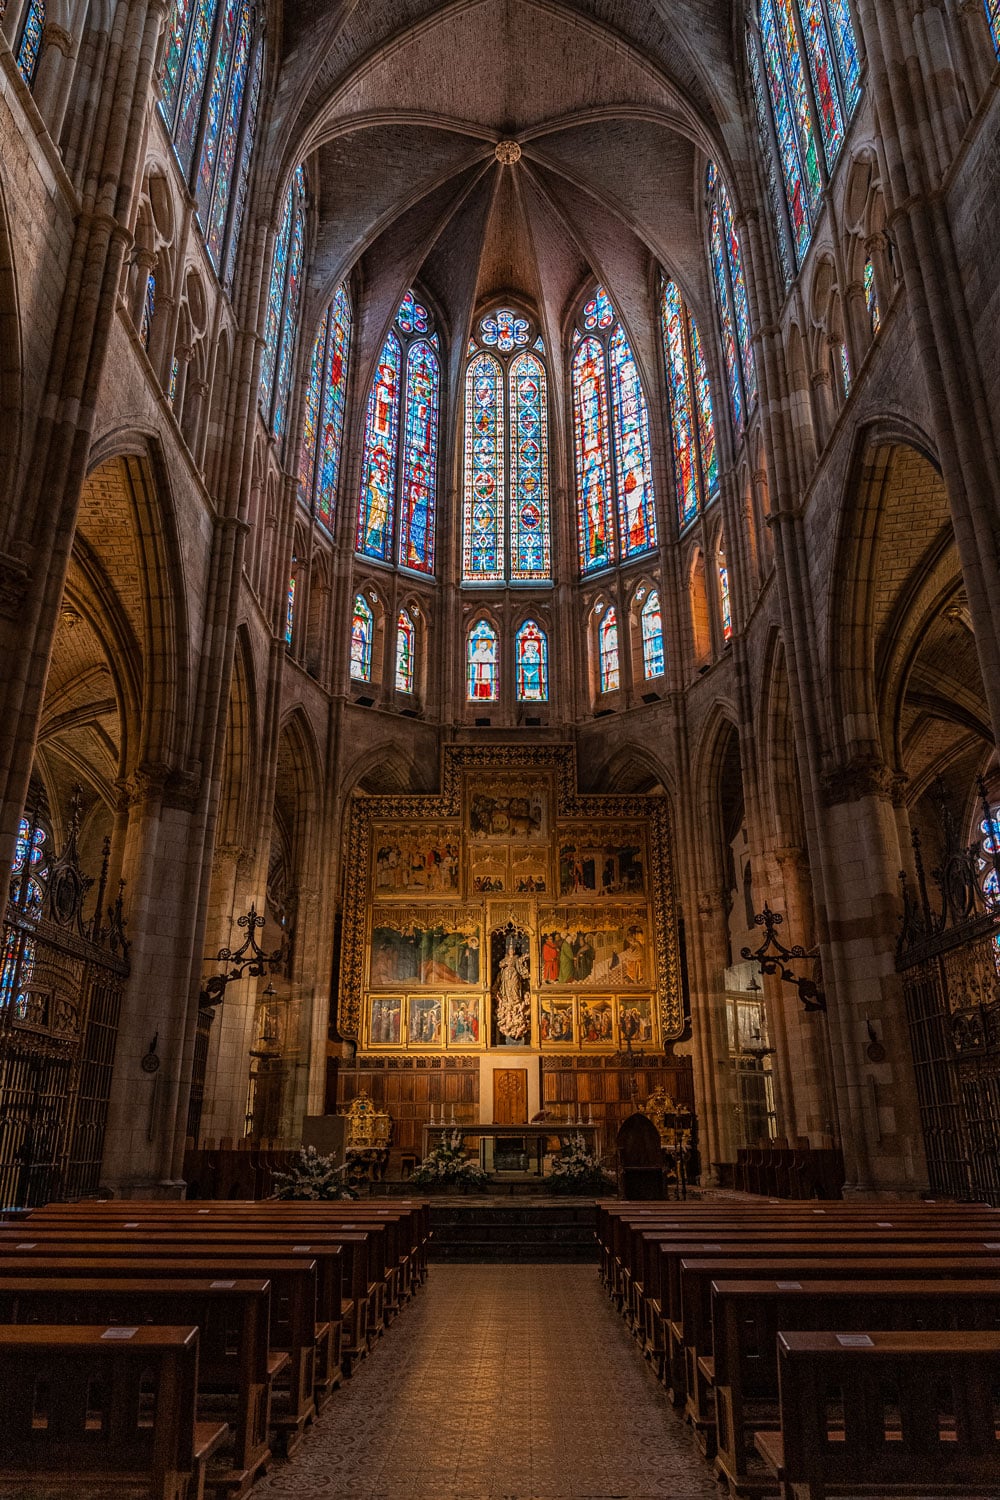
{"x": 499, "y": 1382}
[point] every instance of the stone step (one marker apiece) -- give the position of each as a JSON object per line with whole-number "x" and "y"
{"x": 484, "y": 1230}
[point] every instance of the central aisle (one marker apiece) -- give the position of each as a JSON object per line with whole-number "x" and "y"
{"x": 513, "y": 1381}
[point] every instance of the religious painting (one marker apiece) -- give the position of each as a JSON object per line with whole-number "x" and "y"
{"x": 465, "y": 1021}
{"x": 597, "y": 1021}
{"x": 488, "y": 871}
{"x": 635, "y": 1022}
{"x": 424, "y": 947}
{"x": 594, "y": 946}
{"x": 594, "y": 865}
{"x": 386, "y": 1023}
{"x": 510, "y": 977}
{"x": 506, "y": 808}
{"x": 426, "y": 1027}
{"x": 418, "y": 862}
{"x": 556, "y": 1021}
{"x": 529, "y": 871}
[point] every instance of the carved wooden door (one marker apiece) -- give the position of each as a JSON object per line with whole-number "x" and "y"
{"x": 510, "y": 1096}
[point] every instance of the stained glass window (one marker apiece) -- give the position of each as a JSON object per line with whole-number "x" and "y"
{"x": 599, "y": 312}
{"x": 19, "y": 951}
{"x": 281, "y": 325}
{"x": 29, "y": 48}
{"x": 482, "y": 664}
{"x": 289, "y": 611}
{"x": 175, "y": 370}
{"x": 148, "y": 311}
{"x": 993, "y": 18}
{"x": 871, "y": 294}
{"x": 607, "y": 645}
{"x": 504, "y": 330}
{"x": 692, "y": 420}
{"x": 593, "y": 456}
{"x": 529, "y": 480}
{"x": 362, "y": 630}
{"x": 989, "y": 847}
{"x": 209, "y": 98}
{"x": 403, "y": 406}
{"x": 804, "y": 58}
{"x": 845, "y": 369}
{"x": 731, "y": 299}
{"x": 727, "y": 609}
{"x": 420, "y": 444}
{"x": 651, "y": 621}
{"x": 406, "y": 641}
{"x": 630, "y": 426}
{"x": 483, "y": 540}
{"x": 531, "y": 649}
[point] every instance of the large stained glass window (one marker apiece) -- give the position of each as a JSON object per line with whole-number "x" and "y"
{"x": 323, "y": 432}
{"x": 29, "y": 47}
{"x": 806, "y": 77}
{"x": 482, "y": 664}
{"x": 281, "y": 324}
{"x": 209, "y": 99}
{"x": 692, "y": 420}
{"x": 27, "y": 893}
{"x": 731, "y": 299}
{"x": 362, "y": 631}
{"x": 404, "y": 405}
{"x": 406, "y": 652}
{"x": 506, "y": 529}
{"x": 651, "y": 622}
{"x": 616, "y": 513}
{"x": 531, "y": 652}
{"x": 607, "y": 651}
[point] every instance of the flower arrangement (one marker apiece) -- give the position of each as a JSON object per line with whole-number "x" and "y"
{"x": 448, "y": 1162}
{"x": 576, "y": 1170}
{"x": 313, "y": 1178}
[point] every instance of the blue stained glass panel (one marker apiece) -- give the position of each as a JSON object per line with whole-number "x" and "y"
{"x": 630, "y": 428}
{"x": 801, "y": 193}
{"x": 482, "y": 664}
{"x": 195, "y": 75}
{"x": 706, "y": 413}
{"x": 871, "y": 294}
{"x": 651, "y": 621}
{"x": 272, "y": 321}
{"x": 148, "y": 311}
{"x": 729, "y": 349}
{"x": 362, "y": 630}
{"x": 531, "y": 650}
{"x": 177, "y": 27}
{"x": 290, "y": 611}
{"x": 378, "y": 484}
{"x": 607, "y": 644}
{"x": 824, "y": 77}
{"x": 727, "y": 612}
{"x": 682, "y": 420}
{"x": 214, "y": 106}
{"x": 331, "y": 429}
{"x": 504, "y": 330}
{"x": 483, "y": 529}
{"x": 420, "y": 444}
{"x": 30, "y": 46}
{"x": 314, "y": 394}
{"x": 772, "y": 161}
{"x": 530, "y": 554}
{"x": 412, "y": 317}
{"x": 225, "y": 170}
{"x": 993, "y": 17}
{"x": 246, "y": 154}
{"x": 592, "y": 443}
{"x": 788, "y": 42}
{"x": 599, "y": 312}
{"x": 290, "y": 313}
{"x": 742, "y": 309}
{"x": 845, "y": 44}
{"x": 405, "y": 652}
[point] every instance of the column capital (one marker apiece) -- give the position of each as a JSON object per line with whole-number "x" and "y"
{"x": 863, "y": 776}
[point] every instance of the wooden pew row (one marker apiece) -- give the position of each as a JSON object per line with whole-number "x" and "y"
{"x": 917, "y": 1413}
{"x": 293, "y": 1305}
{"x": 747, "y": 1317}
{"x": 78, "y": 1403}
{"x": 232, "y": 1317}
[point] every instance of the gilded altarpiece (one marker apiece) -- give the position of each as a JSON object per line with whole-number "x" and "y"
{"x": 509, "y": 911}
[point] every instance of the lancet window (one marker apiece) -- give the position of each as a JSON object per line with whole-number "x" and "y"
{"x": 993, "y": 18}
{"x": 692, "y": 419}
{"x": 805, "y": 72}
{"x": 731, "y": 300}
{"x": 290, "y": 612}
{"x": 607, "y": 651}
{"x": 651, "y": 622}
{"x": 29, "y": 46}
{"x": 397, "y": 506}
{"x": 362, "y": 632}
{"x": 482, "y": 664}
{"x": 616, "y": 517}
{"x": 531, "y": 651}
{"x": 506, "y": 533}
{"x": 28, "y": 869}
{"x": 871, "y": 295}
{"x": 281, "y": 325}
{"x": 406, "y": 652}
{"x": 326, "y": 393}
{"x": 209, "y": 100}
{"x": 724, "y": 597}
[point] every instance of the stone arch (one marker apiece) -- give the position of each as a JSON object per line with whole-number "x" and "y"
{"x": 10, "y": 361}
{"x": 240, "y": 761}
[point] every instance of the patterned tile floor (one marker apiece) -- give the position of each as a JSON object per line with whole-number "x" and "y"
{"x": 499, "y": 1382}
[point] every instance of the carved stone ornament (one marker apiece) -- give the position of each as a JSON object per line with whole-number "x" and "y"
{"x": 865, "y": 776}
{"x": 13, "y": 586}
{"x": 507, "y": 153}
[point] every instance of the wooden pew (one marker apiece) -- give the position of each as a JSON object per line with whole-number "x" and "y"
{"x": 748, "y": 1315}
{"x": 293, "y": 1305}
{"x": 232, "y": 1318}
{"x": 76, "y": 1404}
{"x": 915, "y": 1410}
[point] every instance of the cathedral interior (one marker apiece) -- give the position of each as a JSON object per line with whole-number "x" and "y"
{"x": 499, "y": 551}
